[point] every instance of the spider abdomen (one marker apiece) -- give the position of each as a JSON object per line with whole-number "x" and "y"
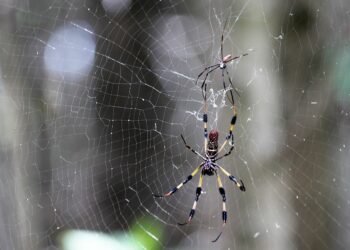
{"x": 213, "y": 145}
{"x": 227, "y": 58}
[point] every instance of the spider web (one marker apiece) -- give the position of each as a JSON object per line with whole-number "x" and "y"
{"x": 95, "y": 95}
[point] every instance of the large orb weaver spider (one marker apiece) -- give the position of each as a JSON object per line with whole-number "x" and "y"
{"x": 221, "y": 65}
{"x": 209, "y": 167}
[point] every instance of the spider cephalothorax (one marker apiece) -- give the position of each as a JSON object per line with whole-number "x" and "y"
{"x": 210, "y": 167}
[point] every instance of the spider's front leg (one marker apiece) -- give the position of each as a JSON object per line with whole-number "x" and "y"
{"x": 229, "y": 135}
{"x": 190, "y": 148}
{"x": 174, "y": 189}
{"x": 205, "y": 124}
{"x": 193, "y": 210}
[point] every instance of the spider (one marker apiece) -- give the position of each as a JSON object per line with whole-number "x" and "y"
{"x": 210, "y": 167}
{"x": 221, "y": 65}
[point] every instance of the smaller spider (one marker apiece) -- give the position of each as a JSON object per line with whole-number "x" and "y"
{"x": 221, "y": 65}
{"x": 209, "y": 167}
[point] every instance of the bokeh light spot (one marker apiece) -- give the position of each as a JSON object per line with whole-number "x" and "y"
{"x": 70, "y": 49}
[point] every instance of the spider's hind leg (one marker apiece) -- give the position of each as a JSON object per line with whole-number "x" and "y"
{"x": 193, "y": 210}
{"x": 224, "y": 212}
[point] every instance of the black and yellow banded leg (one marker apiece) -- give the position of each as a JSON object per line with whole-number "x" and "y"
{"x": 222, "y": 192}
{"x": 205, "y": 121}
{"x": 239, "y": 184}
{"x": 232, "y": 124}
{"x": 173, "y": 190}
{"x": 224, "y": 212}
{"x": 193, "y": 210}
{"x": 229, "y": 135}
{"x": 190, "y": 148}
{"x": 227, "y": 153}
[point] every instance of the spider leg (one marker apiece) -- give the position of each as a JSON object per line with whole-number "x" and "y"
{"x": 227, "y": 153}
{"x": 204, "y": 82}
{"x": 232, "y": 101}
{"x": 174, "y": 189}
{"x": 229, "y": 135}
{"x": 233, "y": 87}
{"x": 205, "y": 121}
{"x": 190, "y": 148}
{"x": 193, "y": 210}
{"x": 204, "y": 70}
{"x": 224, "y": 212}
{"x": 236, "y": 57}
{"x": 239, "y": 184}
{"x": 222, "y": 41}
